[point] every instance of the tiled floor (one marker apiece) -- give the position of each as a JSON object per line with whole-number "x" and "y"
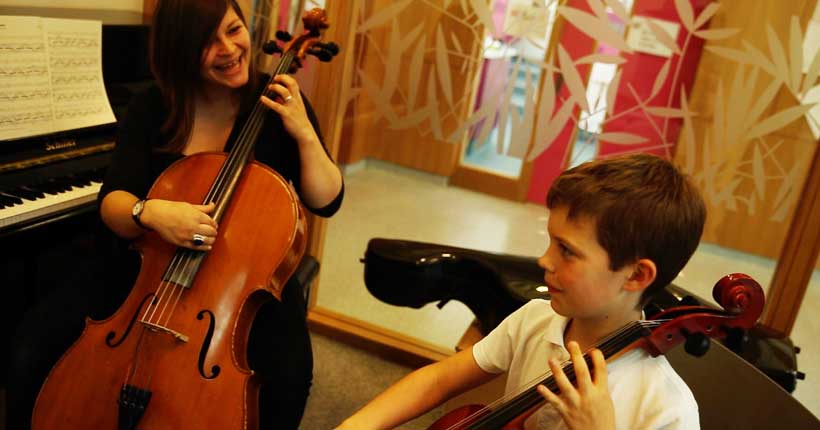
{"x": 383, "y": 200}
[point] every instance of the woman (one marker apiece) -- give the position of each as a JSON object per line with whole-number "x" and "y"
{"x": 205, "y": 87}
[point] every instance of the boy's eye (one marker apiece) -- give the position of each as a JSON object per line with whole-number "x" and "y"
{"x": 565, "y": 252}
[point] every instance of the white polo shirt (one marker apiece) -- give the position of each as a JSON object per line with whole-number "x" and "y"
{"x": 646, "y": 390}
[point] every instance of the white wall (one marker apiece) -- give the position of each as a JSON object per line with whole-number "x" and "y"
{"x": 129, "y": 5}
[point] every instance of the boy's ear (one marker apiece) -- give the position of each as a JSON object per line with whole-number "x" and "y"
{"x": 643, "y": 274}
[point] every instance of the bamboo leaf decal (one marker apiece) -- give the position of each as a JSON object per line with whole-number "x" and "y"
{"x": 758, "y": 172}
{"x": 622, "y": 138}
{"x": 432, "y": 104}
{"x": 443, "y": 66}
{"x": 373, "y": 91}
{"x": 707, "y": 13}
{"x": 594, "y": 28}
{"x": 685, "y": 13}
{"x": 408, "y": 40}
{"x": 601, "y": 58}
{"x": 572, "y": 78}
{"x": 795, "y": 54}
{"x": 665, "y": 112}
{"x": 761, "y": 103}
{"x": 811, "y": 74}
{"x": 393, "y": 62}
{"x": 483, "y": 11}
{"x": 717, "y": 34}
{"x": 778, "y": 120}
{"x": 411, "y": 120}
{"x": 598, "y": 8}
{"x": 663, "y": 37}
{"x": 778, "y": 56}
{"x": 619, "y": 10}
{"x": 660, "y": 79}
{"x": 611, "y": 91}
{"x": 787, "y": 189}
{"x": 688, "y": 132}
{"x": 546, "y": 102}
{"x": 415, "y": 71}
{"x": 383, "y": 16}
{"x": 550, "y": 130}
{"x": 757, "y": 58}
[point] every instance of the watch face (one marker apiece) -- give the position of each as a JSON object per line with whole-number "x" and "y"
{"x": 137, "y": 208}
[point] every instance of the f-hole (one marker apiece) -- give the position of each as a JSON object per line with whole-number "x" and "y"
{"x": 206, "y": 344}
{"x": 109, "y": 338}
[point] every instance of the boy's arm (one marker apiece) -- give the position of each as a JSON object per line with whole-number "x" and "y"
{"x": 419, "y": 392}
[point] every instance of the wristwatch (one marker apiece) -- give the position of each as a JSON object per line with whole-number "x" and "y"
{"x": 136, "y": 212}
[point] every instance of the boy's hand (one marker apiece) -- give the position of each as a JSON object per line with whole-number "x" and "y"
{"x": 589, "y": 407}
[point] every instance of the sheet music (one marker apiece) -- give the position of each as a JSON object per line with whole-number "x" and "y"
{"x": 50, "y": 76}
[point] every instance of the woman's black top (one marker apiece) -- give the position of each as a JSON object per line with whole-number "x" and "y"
{"x": 136, "y": 163}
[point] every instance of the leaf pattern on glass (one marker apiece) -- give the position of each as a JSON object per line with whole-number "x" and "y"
{"x": 685, "y": 14}
{"x": 594, "y": 27}
{"x": 572, "y": 78}
{"x": 663, "y": 37}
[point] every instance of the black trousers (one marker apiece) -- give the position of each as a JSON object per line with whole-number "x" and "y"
{"x": 279, "y": 351}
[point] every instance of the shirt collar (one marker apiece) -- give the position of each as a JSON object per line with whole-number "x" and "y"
{"x": 555, "y": 329}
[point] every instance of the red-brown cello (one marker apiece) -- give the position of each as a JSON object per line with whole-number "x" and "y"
{"x": 739, "y": 295}
{"x": 173, "y": 355}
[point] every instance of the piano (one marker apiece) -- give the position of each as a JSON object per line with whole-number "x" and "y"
{"x": 51, "y": 236}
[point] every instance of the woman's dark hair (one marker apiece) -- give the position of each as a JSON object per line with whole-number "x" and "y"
{"x": 180, "y": 31}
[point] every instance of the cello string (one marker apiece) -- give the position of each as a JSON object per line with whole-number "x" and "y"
{"x": 529, "y": 396}
{"x": 236, "y": 160}
{"x": 481, "y": 416}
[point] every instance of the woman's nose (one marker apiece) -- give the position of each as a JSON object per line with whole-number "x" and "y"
{"x": 225, "y": 46}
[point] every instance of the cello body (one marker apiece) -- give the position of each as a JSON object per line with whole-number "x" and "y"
{"x": 191, "y": 372}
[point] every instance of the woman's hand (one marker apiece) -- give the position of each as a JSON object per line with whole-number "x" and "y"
{"x": 291, "y": 108}
{"x": 178, "y": 222}
{"x": 589, "y": 406}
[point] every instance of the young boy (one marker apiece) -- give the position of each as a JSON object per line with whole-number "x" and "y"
{"x": 620, "y": 229}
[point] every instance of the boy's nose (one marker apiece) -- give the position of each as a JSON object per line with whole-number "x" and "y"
{"x": 544, "y": 263}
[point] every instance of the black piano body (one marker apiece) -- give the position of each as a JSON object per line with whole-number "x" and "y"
{"x": 51, "y": 237}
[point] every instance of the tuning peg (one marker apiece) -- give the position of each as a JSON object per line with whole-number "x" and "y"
{"x": 736, "y": 338}
{"x": 321, "y": 54}
{"x": 331, "y": 47}
{"x": 696, "y": 343}
{"x": 271, "y": 47}
{"x": 283, "y": 35}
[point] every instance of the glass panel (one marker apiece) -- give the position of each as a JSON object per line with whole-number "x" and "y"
{"x": 512, "y": 59}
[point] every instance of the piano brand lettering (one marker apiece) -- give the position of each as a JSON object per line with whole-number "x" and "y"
{"x": 63, "y": 144}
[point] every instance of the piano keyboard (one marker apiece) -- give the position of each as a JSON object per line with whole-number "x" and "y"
{"x": 47, "y": 204}
{"x": 32, "y": 196}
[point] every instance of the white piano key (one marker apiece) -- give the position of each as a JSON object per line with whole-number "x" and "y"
{"x": 51, "y": 203}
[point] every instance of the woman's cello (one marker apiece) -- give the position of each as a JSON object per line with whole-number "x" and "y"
{"x": 173, "y": 355}
{"x": 741, "y": 297}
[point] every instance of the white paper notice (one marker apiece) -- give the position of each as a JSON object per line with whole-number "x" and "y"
{"x": 50, "y": 76}
{"x": 640, "y": 37}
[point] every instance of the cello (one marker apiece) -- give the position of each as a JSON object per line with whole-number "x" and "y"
{"x": 740, "y": 296}
{"x": 174, "y": 354}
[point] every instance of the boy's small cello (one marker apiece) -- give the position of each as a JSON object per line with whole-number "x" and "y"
{"x": 740, "y": 296}
{"x": 173, "y": 356}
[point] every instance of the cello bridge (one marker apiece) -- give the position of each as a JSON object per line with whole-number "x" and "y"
{"x": 161, "y": 329}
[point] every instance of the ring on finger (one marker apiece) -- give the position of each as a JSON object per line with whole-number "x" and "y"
{"x": 198, "y": 240}
{"x": 288, "y": 98}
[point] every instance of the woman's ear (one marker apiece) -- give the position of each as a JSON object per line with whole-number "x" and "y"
{"x": 643, "y": 274}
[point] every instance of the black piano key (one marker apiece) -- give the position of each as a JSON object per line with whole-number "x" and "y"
{"x": 16, "y": 199}
{"x": 31, "y": 191}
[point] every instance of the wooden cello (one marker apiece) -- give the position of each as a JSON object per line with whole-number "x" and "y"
{"x": 739, "y": 295}
{"x": 173, "y": 356}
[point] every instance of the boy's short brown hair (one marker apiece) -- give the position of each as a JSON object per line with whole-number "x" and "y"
{"x": 643, "y": 207}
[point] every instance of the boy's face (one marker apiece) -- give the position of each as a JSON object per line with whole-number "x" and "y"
{"x": 576, "y": 270}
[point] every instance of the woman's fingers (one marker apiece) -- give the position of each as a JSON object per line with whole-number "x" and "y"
{"x": 599, "y": 377}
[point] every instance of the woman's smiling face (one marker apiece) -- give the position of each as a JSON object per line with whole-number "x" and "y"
{"x": 225, "y": 60}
